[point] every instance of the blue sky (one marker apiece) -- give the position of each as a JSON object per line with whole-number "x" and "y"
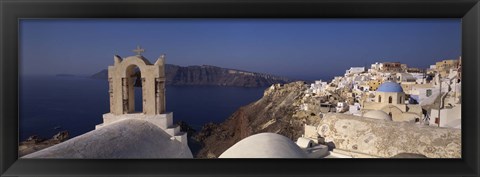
{"x": 296, "y": 48}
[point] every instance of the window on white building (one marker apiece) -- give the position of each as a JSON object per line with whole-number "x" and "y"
{"x": 429, "y": 93}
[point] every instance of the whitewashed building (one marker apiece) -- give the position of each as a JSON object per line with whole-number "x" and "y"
{"x": 341, "y": 107}
{"x": 354, "y": 70}
{"x": 405, "y": 77}
{"x": 355, "y": 109}
{"x": 448, "y": 117}
{"x": 424, "y": 94}
{"x": 318, "y": 87}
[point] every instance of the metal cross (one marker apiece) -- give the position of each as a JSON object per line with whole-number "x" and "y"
{"x": 139, "y": 50}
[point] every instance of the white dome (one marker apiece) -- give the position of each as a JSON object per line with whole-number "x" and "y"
{"x": 377, "y": 115}
{"x": 125, "y": 139}
{"x": 264, "y": 145}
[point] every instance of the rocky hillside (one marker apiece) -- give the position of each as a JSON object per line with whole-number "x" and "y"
{"x": 212, "y": 75}
{"x": 275, "y": 112}
{"x": 35, "y": 143}
{"x": 285, "y": 109}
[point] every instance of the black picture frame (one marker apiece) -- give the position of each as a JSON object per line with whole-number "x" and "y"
{"x": 11, "y": 11}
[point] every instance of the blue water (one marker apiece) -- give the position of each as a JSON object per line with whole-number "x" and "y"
{"x": 76, "y": 104}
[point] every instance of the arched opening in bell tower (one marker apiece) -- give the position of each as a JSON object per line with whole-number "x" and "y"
{"x": 133, "y": 96}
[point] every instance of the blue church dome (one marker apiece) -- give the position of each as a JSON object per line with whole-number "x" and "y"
{"x": 390, "y": 87}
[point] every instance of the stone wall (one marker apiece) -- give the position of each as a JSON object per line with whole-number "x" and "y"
{"x": 386, "y": 139}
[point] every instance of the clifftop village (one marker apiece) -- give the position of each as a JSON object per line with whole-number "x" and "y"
{"x": 390, "y": 92}
{"x": 395, "y": 92}
{"x": 387, "y": 110}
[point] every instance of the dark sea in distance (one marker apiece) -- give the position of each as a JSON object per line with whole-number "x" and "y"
{"x": 49, "y": 104}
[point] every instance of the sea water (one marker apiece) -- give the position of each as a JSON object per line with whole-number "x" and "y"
{"x": 49, "y": 104}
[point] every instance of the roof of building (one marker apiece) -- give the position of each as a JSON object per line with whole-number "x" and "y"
{"x": 377, "y": 114}
{"x": 264, "y": 145}
{"x": 456, "y": 123}
{"x": 407, "y": 77}
{"x": 390, "y": 86}
{"x": 129, "y": 138}
{"x": 409, "y": 155}
{"x": 139, "y": 57}
{"x": 304, "y": 142}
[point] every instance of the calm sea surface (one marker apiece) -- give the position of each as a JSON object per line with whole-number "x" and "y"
{"x": 50, "y": 104}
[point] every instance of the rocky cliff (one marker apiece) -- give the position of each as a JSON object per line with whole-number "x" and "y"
{"x": 285, "y": 109}
{"x": 212, "y": 75}
{"x": 274, "y": 112}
